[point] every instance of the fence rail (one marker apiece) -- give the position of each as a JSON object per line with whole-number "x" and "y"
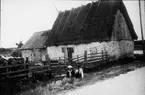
{"x": 26, "y": 70}
{"x": 57, "y": 66}
{"x": 81, "y": 60}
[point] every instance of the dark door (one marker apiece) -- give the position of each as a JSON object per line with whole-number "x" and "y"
{"x": 70, "y": 51}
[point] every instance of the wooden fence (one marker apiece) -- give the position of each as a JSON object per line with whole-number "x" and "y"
{"x": 86, "y": 61}
{"x": 57, "y": 67}
{"x": 21, "y": 71}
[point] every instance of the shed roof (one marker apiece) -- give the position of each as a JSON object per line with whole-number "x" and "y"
{"x": 37, "y": 41}
{"x": 91, "y": 22}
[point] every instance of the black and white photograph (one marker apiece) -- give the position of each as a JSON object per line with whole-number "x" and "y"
{"x": 72, "y": 47}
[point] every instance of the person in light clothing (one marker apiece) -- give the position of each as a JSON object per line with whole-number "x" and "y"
{"x": 79, "y": 72}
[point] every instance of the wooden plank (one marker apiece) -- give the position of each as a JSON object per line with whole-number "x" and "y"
{"x": 20, "y": 75}
{"x": 41, "y": 71}
{"x": 80, "y": 55}
{"x": 82, "y": 59}
{"x": 35, "y": 67}
{"x": 95, "y": 54}
{"x": 54, "y": 64}
{"x": 12, "y": 72}
{"x": 94, "y": 61}
{"x": 23, "y": 71}
{"x": 16, "y": 65}
{"x": 94, "y": 57}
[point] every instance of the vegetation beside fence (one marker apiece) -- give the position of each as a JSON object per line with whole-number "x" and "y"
{"x": 88, "y": 61}
{"x": 57, "y": 68}
{"x": 61, "y": 86}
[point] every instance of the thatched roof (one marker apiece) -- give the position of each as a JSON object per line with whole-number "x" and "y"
{"x": 37, "y": 41}
{"x": 91, "y": 22}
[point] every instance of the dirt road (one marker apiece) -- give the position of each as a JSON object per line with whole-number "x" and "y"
{"x": 132, "y": 83}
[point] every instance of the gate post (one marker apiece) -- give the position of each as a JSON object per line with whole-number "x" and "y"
{"x": 102, "y": 56}
{"x": 85, "y": 57}
{"x": 59, "y": 60}
{"x": 106, "y": 56}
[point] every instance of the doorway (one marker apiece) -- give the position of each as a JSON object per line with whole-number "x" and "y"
{"x": 70, "y": 51}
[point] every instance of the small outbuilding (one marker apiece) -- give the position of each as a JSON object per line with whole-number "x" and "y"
{"x": 35, "y": 49}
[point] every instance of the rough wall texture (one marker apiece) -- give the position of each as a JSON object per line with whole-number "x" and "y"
{"x": 115, "y": 49}
{"x": 37, "y": 55}
{"x": 43, "y": 54}
{"x": 34, "y": 55}
{"x": 27, "y": 53}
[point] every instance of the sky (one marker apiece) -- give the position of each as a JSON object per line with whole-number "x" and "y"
{"x": 21, "y": 18}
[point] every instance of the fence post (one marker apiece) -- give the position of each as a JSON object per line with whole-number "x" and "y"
{"x": 105, "y": 55}
{"x": 29, "y": 74}
{"x": 77, "y": 58}
{"x": 102, "y": 56}
{"x": 7, "y": 69}
{"x": 64, "y": 60}
{"x": 85, "y": 57}
{"x": 59, "y": 60}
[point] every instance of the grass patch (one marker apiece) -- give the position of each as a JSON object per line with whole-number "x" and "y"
{"x": 63, "y": 85}
{"x": 54, "y": 87}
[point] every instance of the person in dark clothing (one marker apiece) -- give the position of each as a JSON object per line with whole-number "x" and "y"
{"x": 69, "y": 71}
{"x": 27, "y": 60}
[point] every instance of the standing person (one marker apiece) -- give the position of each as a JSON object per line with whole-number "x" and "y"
{"x": 69, "y": 71}
{"x": 27, "y": 60}
{"x": 79, "y": 72}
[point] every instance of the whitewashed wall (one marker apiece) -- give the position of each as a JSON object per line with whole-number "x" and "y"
{"x": 44, "y": 54}
{"x": 27, "y": 53}
{"x": 35, "y": 54}
{"x": 115, "y": 49}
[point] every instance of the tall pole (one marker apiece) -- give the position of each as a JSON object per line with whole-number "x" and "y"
{"x": 143, "y": 44}
{"x": 0, "y": 26}
{"x": 56, "y": 8}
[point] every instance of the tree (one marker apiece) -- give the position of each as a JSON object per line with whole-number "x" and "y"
{"x": 20, "y": 44}
{"x": 17, "y": 52}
